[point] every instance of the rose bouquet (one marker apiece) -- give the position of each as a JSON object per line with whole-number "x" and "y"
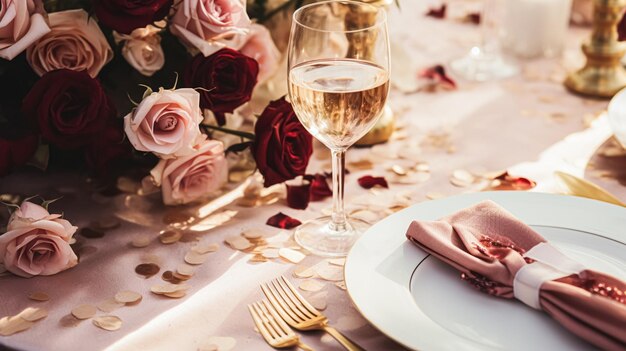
{"x": 71, "y": 71}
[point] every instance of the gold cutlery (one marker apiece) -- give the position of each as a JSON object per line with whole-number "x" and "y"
{"x": 273, "y": 329}
{"x": 583, "y": 188}
{"x": 298, "y": 313}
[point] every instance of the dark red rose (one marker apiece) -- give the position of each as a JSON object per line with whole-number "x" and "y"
{"x": 126, "y": 15}
{"x": 282, "y": 147}
{"x": 108, "y": 151}
{"x": 298, "y": 193}
{"x": 69, "y": 108}
{"x": 16, "y": 152}
{"x": 437, "y": 12}
{"x": 228, "y": 78}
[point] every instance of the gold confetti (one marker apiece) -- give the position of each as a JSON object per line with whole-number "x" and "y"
{"x": 192, "y": 257}
{"x": 238, "y": 242}
{"x": 205, "y": 248}
{"x": 84, "y": 311}
{"x": 39, "y": 296}
{"x": 13, "y": 325}
{"x": 271, "y": 253}
{"x": 399, "y": 170}
{"x": 434, "y": 196}
{"x": 330, "y": 273}
{"x": 462, "y": 178}
{"x": 168, "y": 288}
{"x": 254, "y": 234}
{"x": 170, "y": 237}
{"x": 304, "y": 272}
{"x": 127, "y": 185}
{"x": 362, "y": 164}
{"x": 213, "y": 221}
{"x": 109, "y": 305}
{"x": 141, "y": 241}
{"x": 128, "y": 297}
{"x": 341, "y": 285}
{"x": 218, "y": 343}
{"x": 147, "y": 270}
{"x": 291, "y": 255}
{"x": 311, "y": 285}
{"x": 33, "y": 314}
{"x": 319, "y": 300}
{"x": 110, "y": 323}
{"x": 337, "y": 261}
{"x": 185, "y": 270}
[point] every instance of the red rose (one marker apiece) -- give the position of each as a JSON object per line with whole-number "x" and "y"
{"x": 228, "y": 77}
{"x": 108, "y": 151}
{"x": 126, "y": 15}
{"x": 621, "y": 29}
{"x": 16, "y": 152}
{"x": 69, "y": 108}
{"x": 282, "y": 147}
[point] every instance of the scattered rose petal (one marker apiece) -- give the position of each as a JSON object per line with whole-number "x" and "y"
{"x": 281, "y": 220}
{"x": 311, "y": 285}
{"x": 369, "y": 182}
{"x": 472, "y": 17}
{"x": 505, "y": 181}
{"x": 298, "y": 193}
{"x": 319, "y": 187}
{"x": 110, "y": 323}
{"x": 39, "y": 296}
{"x": 84, "y": 311}
{"x": 291, "y": 255}
{"x": 128, "y": 297}
{"x": 437, "y": 12}
{"x": 438, "y": 78}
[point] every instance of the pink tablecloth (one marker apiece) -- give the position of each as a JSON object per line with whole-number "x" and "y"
{"x": 489, "y": 126}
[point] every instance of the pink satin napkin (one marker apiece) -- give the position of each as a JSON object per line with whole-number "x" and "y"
{"x": 487, "y": 245}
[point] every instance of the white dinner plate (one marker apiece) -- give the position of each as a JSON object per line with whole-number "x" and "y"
{"x": 423, "y": 304}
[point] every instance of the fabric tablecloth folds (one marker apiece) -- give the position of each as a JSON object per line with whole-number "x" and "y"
{"x": 504, "y": 257}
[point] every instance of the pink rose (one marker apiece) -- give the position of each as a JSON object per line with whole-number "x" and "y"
{"x": 193, "y": 177}
{"x": 37, "y": 242}
{"x": 165, "y": 123}
{"x": 142, "y": 49}
{"x": 75, "y": 42}
{"x": 22, "y": 22}
{"x": 261, "y": 47}
{"x": 210, "y": 25}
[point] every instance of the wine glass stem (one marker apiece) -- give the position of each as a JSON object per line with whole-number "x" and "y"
{"x": 338, "y": 222}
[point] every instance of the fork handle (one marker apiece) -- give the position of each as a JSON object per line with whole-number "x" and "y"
{"x": 344, "y": 341}
{"x": 304, "y": 347}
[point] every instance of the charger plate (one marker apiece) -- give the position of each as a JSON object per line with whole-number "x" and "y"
{"x": 423, "y": 304}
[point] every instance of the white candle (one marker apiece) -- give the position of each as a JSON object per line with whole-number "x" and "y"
{"x": 534, "y": 28}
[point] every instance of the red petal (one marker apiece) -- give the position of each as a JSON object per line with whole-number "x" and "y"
{"x": 437, "y": 74}
{"x": 281, "y": 220}
{"x": 437, "y": 12}
{"x": 473, "y": 17}
{"x": 369, "y": 182}
{"x": 319, "y": 187}
{"x": 505, "y": 181}
{"x": 298, "y": 194}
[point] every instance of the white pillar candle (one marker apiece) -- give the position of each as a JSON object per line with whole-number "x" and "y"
{"x": 534, "y": 28}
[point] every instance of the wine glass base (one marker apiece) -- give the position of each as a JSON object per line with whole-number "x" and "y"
{"x": 319, "y": 238}
{"x": 481, "y": 67}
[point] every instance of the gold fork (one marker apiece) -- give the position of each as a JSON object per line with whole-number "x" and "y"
{"x": 273, "y": 329}
{"x": 298, "y": 313}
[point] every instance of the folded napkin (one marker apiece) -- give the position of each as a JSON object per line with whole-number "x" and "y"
{"x": 487, "y": 245}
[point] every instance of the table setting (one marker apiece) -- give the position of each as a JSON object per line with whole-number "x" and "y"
{"x": 313, "y": 175}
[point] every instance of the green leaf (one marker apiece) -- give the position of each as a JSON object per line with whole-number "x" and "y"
{"x": 47, "y": 203}
{"x": 237, "y": 148}
{"x": 146, "y": 93}
{"x": 41, "y": 157}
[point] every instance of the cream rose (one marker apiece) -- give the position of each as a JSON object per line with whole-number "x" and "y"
{"x": 165, "y": 123}
{"x": 37, "y": 242}
{"x": 22, "y": 22}
{"x": 142, "y": 49}
{"x": 190, "y": 178}
{"x": 261, "y": 47}
{"x": 210, "y": 25}
{"x": 75, "y": 42}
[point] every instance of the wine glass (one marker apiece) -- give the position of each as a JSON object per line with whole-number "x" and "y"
{"x": 338, "y": 65}
{"x": 484, "y": 60}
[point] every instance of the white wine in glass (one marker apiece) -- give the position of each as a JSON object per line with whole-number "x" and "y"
{"x": 338, "y": 86}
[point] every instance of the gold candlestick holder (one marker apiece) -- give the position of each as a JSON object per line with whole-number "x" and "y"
{"x": 603, "y": 75}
